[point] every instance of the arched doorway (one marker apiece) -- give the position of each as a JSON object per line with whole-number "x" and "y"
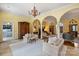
{"x": 70, "y": 21}
{"x": 37, "y": 28}
{"x": 49, "y": 26}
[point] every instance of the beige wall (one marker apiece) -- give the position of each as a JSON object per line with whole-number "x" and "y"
{"x": 15, "y": 19}
{"x": 66, "y": 24}
{"x": 58, "y": 14}
{"x": 7, "y": 17}
{"x": 0, "y": 29}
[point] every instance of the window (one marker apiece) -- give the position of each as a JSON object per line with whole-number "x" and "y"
{"x": 7, "y": 30}
{"x": 73, "y": 28}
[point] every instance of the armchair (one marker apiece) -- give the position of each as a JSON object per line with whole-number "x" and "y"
{"x": 54, "y": 48}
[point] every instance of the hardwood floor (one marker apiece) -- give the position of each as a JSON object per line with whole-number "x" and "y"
{"x": 5, "y": 49}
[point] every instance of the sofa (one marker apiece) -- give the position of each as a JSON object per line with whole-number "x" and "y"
{"x": 30, "y": 37}
{"x": 67, "y": 36}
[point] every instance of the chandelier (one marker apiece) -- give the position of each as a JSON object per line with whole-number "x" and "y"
{"x": 34, "y": 12}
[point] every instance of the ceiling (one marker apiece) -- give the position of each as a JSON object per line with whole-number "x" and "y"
{"x": 71, "y": 14}
{"x": 23, "y": 8}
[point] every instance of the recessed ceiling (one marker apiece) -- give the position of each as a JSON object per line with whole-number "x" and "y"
{"x": 71, "y": 14}
{"x": 23, "y": 8}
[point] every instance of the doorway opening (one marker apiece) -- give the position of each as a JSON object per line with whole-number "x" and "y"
{"x": 23, "y": 28}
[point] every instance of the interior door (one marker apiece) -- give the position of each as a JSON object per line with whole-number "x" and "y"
{"x": 23, "y": 28}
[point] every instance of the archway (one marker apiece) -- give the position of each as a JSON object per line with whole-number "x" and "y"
{"x": 69, "y": 23}
{"x": 37, "y": 28}
{"x": 49, "y": 26}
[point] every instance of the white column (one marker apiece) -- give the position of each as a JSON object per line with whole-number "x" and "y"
{"x": 41, "y": 29}
{"x": 58, "y": 30}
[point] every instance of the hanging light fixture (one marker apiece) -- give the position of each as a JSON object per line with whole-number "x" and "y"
{"x": 34, "y": 12}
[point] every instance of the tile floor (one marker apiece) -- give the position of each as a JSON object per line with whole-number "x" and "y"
{"x": 31, "y": 49}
